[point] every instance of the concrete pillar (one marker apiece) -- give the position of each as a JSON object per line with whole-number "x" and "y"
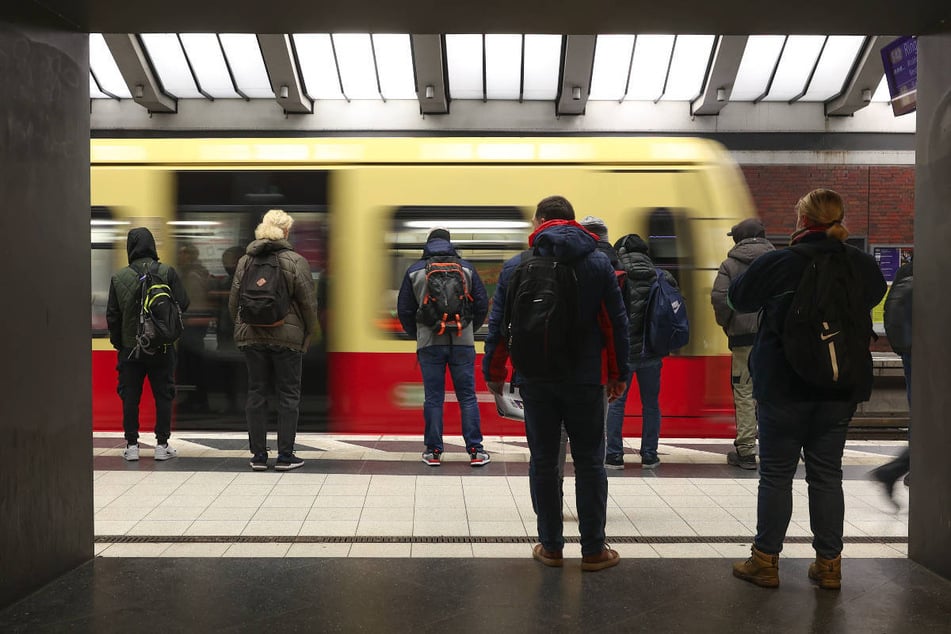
{"x": 929, "y": 525}
{"x": 46, "y": 509}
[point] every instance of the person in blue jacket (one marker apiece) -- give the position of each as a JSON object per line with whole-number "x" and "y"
{"x": 577, "y": 403}
{"x": 436, "y": 351}
{"x": 793, "y": 414}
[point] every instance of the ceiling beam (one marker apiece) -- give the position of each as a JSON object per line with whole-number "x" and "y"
{"x": 719, "y": 81}
{"x": 284, "y": 75}
{"x": 135, "y": 69}
{"x": 865, "y": 78}
{"x": 577, "y": 61}
{"x": 429, "y": 68}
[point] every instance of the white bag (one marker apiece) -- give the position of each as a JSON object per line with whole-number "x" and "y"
{"x": 509, "y": 404}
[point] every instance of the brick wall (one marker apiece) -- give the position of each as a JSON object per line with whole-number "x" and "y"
{"x": 879, "y": 199}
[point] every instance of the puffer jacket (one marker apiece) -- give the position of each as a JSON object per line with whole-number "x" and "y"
{"x": 769, "y": 284}
{"x": 122, "y": 310}
{"x": 413, "y": 291}
{"x": 300, "y": 322}
{"x": 641, "y": 273}
{"x": 602, "y": 335}
{"x": 740, "y": 328}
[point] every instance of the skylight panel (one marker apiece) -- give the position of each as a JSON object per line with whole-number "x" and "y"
{"x": 104, "y": 67}
{"x": 835, "y": 64}
{"x": 542, "y": 66}
{"x": 688, "y": 67}
{"x": 355, "y": 61}
{"x": 503, "y": 66}
{"x": 649, "y": 68}
{"x": 756, "y": 67}
{"x": 394, "y": 63}
{"x": 317, "y": 65}
{"x": 247, "y": 64}
{"x": 612, "y": 65}
{"x": 168, "y": 60}
{"x": 94, "y": 92}
{"x": 796, "y": 64}
{"x": 208, "y": 62}
{"x": 464, "y": 62}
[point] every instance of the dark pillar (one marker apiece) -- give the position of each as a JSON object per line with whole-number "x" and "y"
{"x": 46, "y": 510}
{"x": 929, "y": 525}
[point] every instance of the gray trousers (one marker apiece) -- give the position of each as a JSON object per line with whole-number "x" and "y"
{"x": 743, "y": 402}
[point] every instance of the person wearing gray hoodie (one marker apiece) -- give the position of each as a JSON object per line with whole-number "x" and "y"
{"x": 750, "y": 241}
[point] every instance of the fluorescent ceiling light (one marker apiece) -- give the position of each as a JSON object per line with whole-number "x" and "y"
{"x": 798, "y": 59}
{"x": 247, "y": 64}
{"x": 756, "y": 67}
{"x": 542, "y": 65}
{"x": 316, "y": 56}
{"x": 466, "y": 224}
{"x": 355, "y": 60}
{"x": 649, "y": 69}
{"x": 503, "y": 66}
{"x": 688, "y": 67}
{"x": 104, "y": 66}
{"x": 208, "y": 61}
{"x": 834, "y": 67}
{"x": 168, "y": 60}
{"x": 612, "y": 63}
{"x": 394, "y": 63}
{"x": 94, "y": 92}
{"x": 193, "y": 223}
{"x": 464, "y": 61}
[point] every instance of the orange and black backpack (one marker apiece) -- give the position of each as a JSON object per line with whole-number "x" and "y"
{"x": 447, "y": 302}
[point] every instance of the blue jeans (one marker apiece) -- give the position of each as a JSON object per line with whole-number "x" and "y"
{"x": 461, "y": 361}
{"x": 648, "y": 382}
{"x": 273, "y": 372}
{"x": 580, "y": 408}
{"x": 819, "y": 430}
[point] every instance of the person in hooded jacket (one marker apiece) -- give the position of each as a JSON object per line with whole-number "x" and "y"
{"x": 794, "y": 415}
{"x": 641, "y": 273}
{"x": 578, "y": 403}
{"x": 122, "y": 314}
{"x": 436, "y": 351}
{"x": 749, "y": 237}
{"x": 274, "y": 354}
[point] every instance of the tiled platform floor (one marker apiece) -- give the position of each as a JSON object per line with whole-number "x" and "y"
{"x": 371, "y": 496}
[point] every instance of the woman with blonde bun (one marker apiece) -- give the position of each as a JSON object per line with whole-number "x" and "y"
{"x": 796, "y": 415}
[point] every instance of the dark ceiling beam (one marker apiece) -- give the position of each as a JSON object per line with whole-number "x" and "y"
{"x": 284, "y": 75}
{"x": 429, "y": 67}
{"x": 727, "y": 17}
{"x": 865, "y": 78}
{"x": 136, "y": 70}
{"x": 576, "y": 64}
{"x": 722, "y": 75}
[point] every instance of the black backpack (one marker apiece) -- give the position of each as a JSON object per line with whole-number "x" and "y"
{"x": 828, "y": 327}
{"x": 447, "y": 303}
{"x": 160, "y": 321}
{"x": 263, "y": 298}
{"x": 541, "y": 318}
{"x": 898, "y": 315}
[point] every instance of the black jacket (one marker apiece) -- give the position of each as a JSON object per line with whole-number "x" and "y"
{"x": 769, "y": 285}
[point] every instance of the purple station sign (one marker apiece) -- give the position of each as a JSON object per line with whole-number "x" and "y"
{"x": 900, "y": 59}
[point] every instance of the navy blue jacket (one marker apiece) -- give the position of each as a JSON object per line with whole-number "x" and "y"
{"x": 413, "y": 290}
{"x": 768, "y": 286}
{"x": 603, "y": 323}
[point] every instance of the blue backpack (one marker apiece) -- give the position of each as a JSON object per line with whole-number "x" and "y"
{"x": 665, "y": 323}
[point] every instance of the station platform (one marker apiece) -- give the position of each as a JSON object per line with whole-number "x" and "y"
{"x": 365, "y": 537}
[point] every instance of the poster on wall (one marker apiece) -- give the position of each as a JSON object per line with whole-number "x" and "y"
{"x": 889, "y": 258}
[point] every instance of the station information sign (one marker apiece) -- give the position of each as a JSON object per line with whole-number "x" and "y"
{"x": 900, "y": 59}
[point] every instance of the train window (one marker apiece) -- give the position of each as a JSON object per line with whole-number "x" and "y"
{"x": 105, "y": 235}
{"x": 485, "y": 236}
{"x": 664, "y": 243}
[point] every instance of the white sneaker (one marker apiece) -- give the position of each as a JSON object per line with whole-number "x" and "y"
{"x": 131, "y": 453}
{"x": 164, "y": 452}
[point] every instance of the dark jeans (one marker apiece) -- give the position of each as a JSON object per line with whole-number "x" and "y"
{"x": 160, "y": 368}
{"x": 433, "y": 361}
{"x": 580, "y": 408}
{"x": 648, "y": 383}
{"x": 817, "y": 429}
{"x": 273, "y": 372}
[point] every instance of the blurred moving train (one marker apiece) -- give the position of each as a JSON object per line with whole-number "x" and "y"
{"x": 363, "y": 208}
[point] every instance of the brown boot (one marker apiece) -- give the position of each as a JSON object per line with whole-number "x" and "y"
{"x": 827, "y": 572}
{"x": 760, "y": 568}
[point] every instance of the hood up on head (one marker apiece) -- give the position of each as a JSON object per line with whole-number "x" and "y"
{"x": 140, "y": 244}
{"x": 566, "y": 240}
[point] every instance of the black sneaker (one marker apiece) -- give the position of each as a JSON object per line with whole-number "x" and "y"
{"x": 614, "y": 461}
{"x": 743, "y": 462}
{"x": 286, "y": 462}
{"x": 259, "y": 462}
{"x": 649, "y": 462}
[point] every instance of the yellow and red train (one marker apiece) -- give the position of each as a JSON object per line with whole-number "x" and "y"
{"x": 363, "y": 208}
